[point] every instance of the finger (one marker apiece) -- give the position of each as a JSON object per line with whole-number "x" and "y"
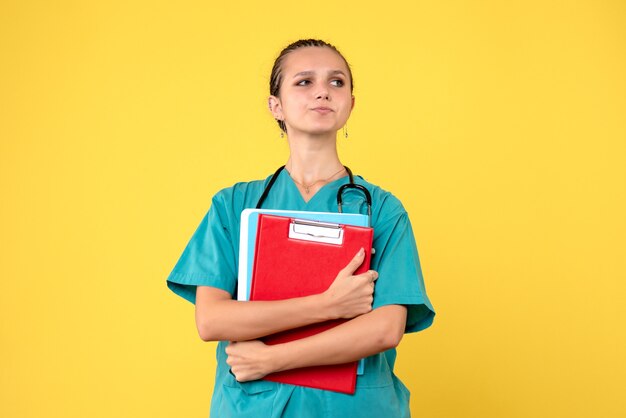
{"x": 370, "y": 276}
{"x": 354, "y": 264}
{"x": 235, "y": 372}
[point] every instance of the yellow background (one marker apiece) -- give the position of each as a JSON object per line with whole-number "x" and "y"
{"x": 499, "y": 124}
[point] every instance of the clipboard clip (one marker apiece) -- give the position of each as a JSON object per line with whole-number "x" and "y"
{"x": 316, "y": 231}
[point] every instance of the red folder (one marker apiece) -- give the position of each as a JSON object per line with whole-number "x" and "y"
{"x": 293, "y": 259}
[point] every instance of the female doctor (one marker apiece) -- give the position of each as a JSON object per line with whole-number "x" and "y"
{"x": 311, "y": 98}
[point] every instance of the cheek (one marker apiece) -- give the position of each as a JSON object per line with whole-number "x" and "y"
{"x": 347, "y": 108}
{"x": 291, "y": 99}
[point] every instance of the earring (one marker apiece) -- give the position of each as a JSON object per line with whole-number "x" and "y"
{"x": 281, "y": 124}
{"x": 345, "y": 130}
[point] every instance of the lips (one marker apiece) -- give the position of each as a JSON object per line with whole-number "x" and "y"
{"x": 323, "y": 110}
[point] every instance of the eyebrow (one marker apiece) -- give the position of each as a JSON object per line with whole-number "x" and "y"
{"x": 307, "y": 73}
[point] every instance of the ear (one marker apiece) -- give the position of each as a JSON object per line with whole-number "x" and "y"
{"x": 352, "y": 107}
{"x": 275, "y": 107}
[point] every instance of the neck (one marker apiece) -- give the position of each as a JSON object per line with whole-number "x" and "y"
{"x": 313, "y": 159}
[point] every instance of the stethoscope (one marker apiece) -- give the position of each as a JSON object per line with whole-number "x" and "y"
{"x": 351, "y": 185}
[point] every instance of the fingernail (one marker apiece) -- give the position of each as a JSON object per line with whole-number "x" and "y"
{"x": 361, "y": 252}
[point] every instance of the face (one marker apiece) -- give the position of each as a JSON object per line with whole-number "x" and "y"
{"x": 315, "y": 95}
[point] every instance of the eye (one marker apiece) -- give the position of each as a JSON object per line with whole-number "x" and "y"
{"x": 304, "y": 82}
{"x": 337, "y": 83}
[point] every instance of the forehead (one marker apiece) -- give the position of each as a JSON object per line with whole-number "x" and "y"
{"x": 317, "y": 59}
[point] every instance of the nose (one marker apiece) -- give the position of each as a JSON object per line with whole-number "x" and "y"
{"x": 322, "y": 95}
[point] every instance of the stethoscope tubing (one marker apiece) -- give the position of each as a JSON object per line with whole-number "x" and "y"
{"x": 342, "y": 189}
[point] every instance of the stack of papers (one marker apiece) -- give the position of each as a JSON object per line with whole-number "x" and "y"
{"x": 248, "y": 235}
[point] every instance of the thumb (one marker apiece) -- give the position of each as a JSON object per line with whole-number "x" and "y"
{"x": 354, "y": 263}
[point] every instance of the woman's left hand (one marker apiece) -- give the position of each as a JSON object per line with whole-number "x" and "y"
{"x": 249, "y": 360}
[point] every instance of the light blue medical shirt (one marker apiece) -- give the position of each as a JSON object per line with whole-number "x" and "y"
{"x": 211, "y": 259}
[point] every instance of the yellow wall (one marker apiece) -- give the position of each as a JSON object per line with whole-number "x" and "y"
{"x": 500, "y": 125}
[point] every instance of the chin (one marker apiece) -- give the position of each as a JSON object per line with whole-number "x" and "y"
{"x": 323, "y": 130}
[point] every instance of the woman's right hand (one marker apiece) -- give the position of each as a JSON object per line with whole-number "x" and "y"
{"x": 351, "y": 295}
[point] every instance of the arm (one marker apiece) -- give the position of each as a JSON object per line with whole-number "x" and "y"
{"x": 368, "y": 334}
{"x": 218, "y": 317}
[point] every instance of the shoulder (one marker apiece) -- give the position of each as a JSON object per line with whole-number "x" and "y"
{"x": 239, "y": 196}
{"x": 240, "y": 191}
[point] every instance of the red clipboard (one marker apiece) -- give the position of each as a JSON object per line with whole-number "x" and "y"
{"x": 295, "y": 258}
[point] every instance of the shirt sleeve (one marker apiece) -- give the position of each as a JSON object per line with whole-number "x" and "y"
{"x": 400, "y": 280}
{"x": 209, "y": 258}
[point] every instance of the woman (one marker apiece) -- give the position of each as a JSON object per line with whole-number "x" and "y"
{"x": 311, "y": 98}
